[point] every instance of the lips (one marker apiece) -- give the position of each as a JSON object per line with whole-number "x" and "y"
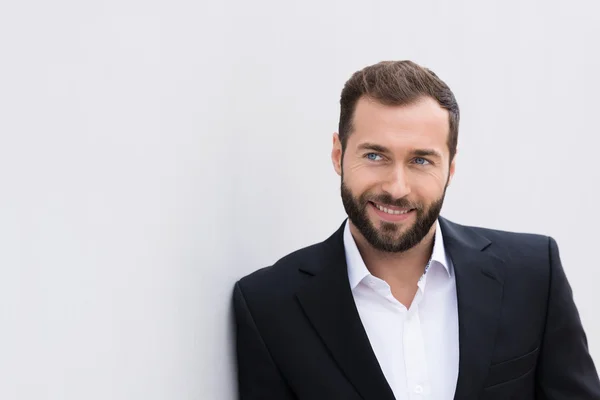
{"x": 391, "y": 210}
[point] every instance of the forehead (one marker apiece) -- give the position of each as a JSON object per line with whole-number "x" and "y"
{"x": 422, "y": 123}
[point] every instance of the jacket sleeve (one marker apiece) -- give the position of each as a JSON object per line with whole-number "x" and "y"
{"x": 565, "y": 369}
{"x": 258, "y": 376}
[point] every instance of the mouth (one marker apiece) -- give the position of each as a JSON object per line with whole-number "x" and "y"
{"x": 392, "y": 213}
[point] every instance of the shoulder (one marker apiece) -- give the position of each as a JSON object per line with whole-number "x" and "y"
{"x": 515, "y": 240}
{"x": 289, "y": 273}
{"x": 284, "y": 269}
{"x": 269, "y": 293}
{"x": 498, "y": 237}
{"x": 521, "y": 251}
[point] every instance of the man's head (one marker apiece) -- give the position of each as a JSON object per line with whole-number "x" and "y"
{"x": 395, "y": 152}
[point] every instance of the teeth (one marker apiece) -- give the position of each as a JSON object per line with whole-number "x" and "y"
{"x": 390, "y": 211}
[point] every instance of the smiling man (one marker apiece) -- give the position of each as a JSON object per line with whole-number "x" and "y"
{"x": 401, "y": 303}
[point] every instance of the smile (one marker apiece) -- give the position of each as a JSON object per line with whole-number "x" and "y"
{"x": 389, "y": 213}
{"x": 392, "y": 210}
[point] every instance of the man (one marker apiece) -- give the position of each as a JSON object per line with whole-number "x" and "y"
{"x": 400, "y": 302}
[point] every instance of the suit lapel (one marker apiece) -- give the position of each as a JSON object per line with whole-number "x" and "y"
{"x": 328, "y": 303}
{"x": 479, "y": 280}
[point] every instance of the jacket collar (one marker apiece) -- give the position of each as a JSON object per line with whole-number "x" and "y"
{"x": 328, "y": 303}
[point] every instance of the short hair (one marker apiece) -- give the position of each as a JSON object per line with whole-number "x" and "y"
{"x": 397, "y": 83}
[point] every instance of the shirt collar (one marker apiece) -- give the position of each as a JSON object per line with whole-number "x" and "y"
{"x": 357, "y": 270}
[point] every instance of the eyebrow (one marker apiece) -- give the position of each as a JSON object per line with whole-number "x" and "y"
{"x": 373, "y": 147}
{"x": 417, "y": 153}
{"x": 427, "y": 153}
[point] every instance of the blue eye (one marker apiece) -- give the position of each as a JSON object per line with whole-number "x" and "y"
{"x": 421, "y": 161}
{"x": 373, "y": 156}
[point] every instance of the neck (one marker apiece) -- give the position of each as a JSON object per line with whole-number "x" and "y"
{"x": 397, "y": 269}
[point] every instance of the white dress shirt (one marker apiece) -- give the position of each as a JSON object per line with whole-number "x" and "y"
{"x": 417, "y": 348}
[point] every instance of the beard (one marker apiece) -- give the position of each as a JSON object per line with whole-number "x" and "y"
{"x": 387, "y": 237}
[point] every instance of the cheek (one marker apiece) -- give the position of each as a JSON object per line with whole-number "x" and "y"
{"x": 361, "y": 179}
{"x": 428, "y": 188}
{"x": 434, "y": 176}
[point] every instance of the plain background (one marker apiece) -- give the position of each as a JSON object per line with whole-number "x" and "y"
{"x": 154, "y": 152}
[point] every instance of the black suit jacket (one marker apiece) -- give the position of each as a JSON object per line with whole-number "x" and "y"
{"x": 299, "y": 334}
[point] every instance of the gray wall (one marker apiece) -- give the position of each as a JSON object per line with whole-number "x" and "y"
{"x": 153, "y": 152}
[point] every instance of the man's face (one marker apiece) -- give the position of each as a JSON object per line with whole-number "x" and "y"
{"x": 395, "y": 170}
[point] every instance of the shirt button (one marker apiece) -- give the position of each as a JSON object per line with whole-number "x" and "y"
{"x": 418, "y": 389}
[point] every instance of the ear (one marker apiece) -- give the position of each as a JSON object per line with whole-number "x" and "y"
{"x": 336, "y": 154}
{"x": 452, "y": 169}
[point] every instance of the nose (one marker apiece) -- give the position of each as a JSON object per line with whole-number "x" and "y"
{"x": 397, "y": 183}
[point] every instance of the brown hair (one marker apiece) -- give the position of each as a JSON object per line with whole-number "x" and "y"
{"x": 397, "y": 83}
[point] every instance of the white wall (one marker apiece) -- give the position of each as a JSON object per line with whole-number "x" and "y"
{"x": 153, "y": 152}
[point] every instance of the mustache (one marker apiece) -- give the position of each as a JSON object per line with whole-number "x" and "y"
{"x": 388, "y": 199}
